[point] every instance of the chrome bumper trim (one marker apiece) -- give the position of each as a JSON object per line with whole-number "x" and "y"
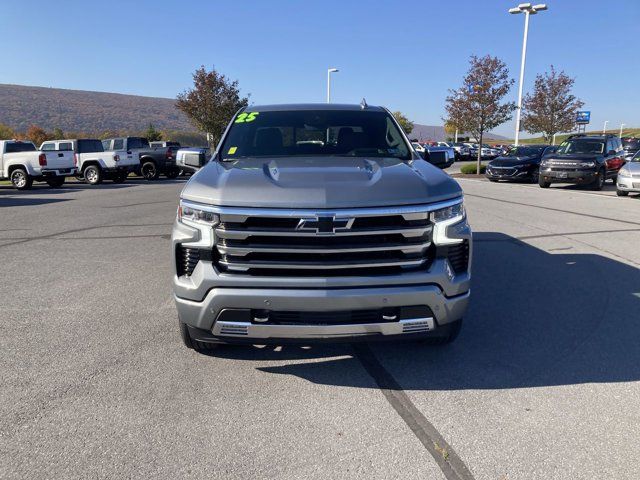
{"x": 262, "y": 331}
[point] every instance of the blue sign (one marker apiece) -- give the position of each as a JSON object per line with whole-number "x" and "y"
{"x": 583, "y": 117}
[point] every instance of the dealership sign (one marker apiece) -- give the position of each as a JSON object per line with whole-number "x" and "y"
{"x": 583, "y": 117}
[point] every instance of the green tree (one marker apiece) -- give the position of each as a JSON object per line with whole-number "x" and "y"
{"x": 212, "y": 102}
{"x": 58, "y": 134}
{"x": 551, "y": 108}
{"x": 6, "y": 132}
{"x": 478, "y": 107}
{"x": 405, "y": 123}
{"x": 152, "y": 134}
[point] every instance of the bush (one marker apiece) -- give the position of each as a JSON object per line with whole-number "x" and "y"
{"x": 472, "y": 168}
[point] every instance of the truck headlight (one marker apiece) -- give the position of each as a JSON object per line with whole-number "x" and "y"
{"x": 199, "y": 217}
{"x": 443, "y": 218}
{"x": 589, "y": 164}
{"x": 190, "y": 214}
{"x": 624, "y": 173}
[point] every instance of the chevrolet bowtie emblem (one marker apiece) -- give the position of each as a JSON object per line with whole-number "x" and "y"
{"x": 325, "y": 224}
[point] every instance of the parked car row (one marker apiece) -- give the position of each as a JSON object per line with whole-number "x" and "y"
{"x": 441, "y": 156}
{"x": 93, "y": 160}
{"x": 581, "y": 159}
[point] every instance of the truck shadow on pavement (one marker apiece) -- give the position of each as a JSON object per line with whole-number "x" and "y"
{"x": 535, "y": 319}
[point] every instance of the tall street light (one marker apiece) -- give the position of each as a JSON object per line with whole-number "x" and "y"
{"x": 621, "y": 125}
{"x": 528, "y": 10}
{"x": 329, "y": 72}
{"x": 604, "y": 128}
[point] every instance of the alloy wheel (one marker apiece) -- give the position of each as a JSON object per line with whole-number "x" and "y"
{"x": 19, "y": 179}
{"x": 91, "y": 175}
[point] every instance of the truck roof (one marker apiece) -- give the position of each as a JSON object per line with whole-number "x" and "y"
{"x": 311, "y": 106}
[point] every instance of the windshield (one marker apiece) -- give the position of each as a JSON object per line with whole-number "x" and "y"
{"x": 636, "y": 157}
{"x": 581, "y": 145}
{"x": 524, "y": 151}
{"x": 350, "y": 133}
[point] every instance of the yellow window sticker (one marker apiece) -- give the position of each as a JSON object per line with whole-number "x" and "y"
{"x": 232, "y": 150}
{"x": 252, "y": 116}
{"x": 245, "y": 117}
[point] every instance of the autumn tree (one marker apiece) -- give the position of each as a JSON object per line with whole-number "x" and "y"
{"x": 450, "y": 128}
{"x": 551, "y": 108}
{"x": 37, "y": 135}
{"x": 478, "y": 107}
{"x": 405, "y": 123}
{"x": 212, "y": 101}
{"x": 6, "y": 132}
{"x": 152, "y": 134}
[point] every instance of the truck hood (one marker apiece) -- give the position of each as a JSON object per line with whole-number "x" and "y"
{"x": 320, "y": 182}
{"x": 572, "y": 157}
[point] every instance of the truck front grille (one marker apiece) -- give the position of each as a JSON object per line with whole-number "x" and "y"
{"x": 502, "y": 171}
{"x": 296, "y": 243}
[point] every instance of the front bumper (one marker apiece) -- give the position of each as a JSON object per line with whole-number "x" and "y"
{"x": 202, "y": 316}
{"x": 579, "y": 176}
{"x": 628, "y": 184}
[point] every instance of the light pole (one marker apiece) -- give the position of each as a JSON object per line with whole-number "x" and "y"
{"x": 329, "y": 72}
{"x": 528, "y": 10}
{"x": 621, "y": 125}
{"x": 604, "y": 128}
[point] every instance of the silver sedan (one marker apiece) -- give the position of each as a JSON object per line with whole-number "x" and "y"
{"x": 629, "y": 177}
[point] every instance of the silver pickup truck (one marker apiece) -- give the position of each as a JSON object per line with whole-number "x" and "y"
{"x": 319, "y": 223}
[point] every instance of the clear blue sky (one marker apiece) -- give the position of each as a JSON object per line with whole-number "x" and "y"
{"x": 404, "y": 55}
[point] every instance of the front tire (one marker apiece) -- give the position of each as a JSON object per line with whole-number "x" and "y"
{"x": 598, "y": 183}
{"x": 55, "y": 182}
{"x": 93, "y": 175}
{"x": 622, "y": 193}
{"x": 149, "y": 170}
{"x": 542, "y": 183}
{"x": 20, "y": 179}
{"x": 200, "y": 347}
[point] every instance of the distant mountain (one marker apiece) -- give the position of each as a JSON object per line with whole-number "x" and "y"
{"x": 83, "y": 111}
{"x": 436, "y": 133}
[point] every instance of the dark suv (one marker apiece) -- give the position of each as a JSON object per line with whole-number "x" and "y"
{"x": 583, "y": 159}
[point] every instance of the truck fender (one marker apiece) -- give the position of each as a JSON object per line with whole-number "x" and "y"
{"x": 91, "y": 161}
{"x": 12, "y": 165}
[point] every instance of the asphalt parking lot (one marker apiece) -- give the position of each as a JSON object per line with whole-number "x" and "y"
{"x": 543, "y": 382}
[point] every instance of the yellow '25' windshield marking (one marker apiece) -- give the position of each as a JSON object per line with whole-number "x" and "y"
{"x": 245, "y": 117}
